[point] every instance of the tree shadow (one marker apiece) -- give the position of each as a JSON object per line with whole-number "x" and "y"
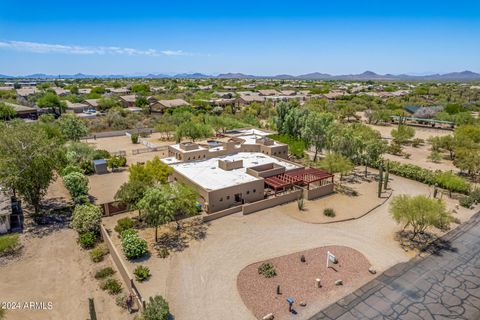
{"x": 425, "y": 242}
{"x": 178, "y": 239}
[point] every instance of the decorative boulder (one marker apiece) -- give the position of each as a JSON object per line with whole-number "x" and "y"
{"x": 303, "y": 304}
{"x": 268, "y": 317}
{"x": 339, "y": 283}
{"x": 372, "y": 270}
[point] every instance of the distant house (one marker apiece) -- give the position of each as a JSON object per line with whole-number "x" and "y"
{"x": 60, "y": 91}
{"x": 249, "y": 97}
{"x": 162, "y": 105}
{"x": 128, "y": 101}
{"x": 76, "y": 107}
{"x": 93, "y": 103}
{"x": 84, "y": 90}
{"x": 268, "y": 92}
{"x": 287, "y": 92}
{"x": 119, "y": 90}
{"x": 24, "y": 112}
{"x": 24, "y": 93}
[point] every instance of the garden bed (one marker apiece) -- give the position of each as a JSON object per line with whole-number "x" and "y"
{"x": 297, "y": 279}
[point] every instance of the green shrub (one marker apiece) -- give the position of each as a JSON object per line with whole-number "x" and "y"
{"x": 104, "y": 273}
{"x": 76, "y": 183}
{"x": 163, "y": 252}
{"x": 87, "y": 239}
{"x": 475, "y": 195}
{"x": 112, "y": 286}
{"x": 128, "y": 232}
{"x": 100, "y": 154}
{"x": 85, "y": 218}
{"x": 123, "y": 224}
{"x": 134, "y": 138}
{"x": 466, "y": 201}
{"x": 329, "y": 212}
{"x": 295, "y": 147}
{"x": 87, "y": 167}
{"x": 417, "y": 142}
{"x": 8, "y": 243}
{"x": 133, "y": 246}
{"x": 121, "y": 301}
{"x": 97, "y": 254}
{"x": 452, "y": 182}
{"x": 156, "y": 309}
{"x": 69, "y": 169}
{"x": 267, "y": 270}
{"x": 2, "y": 313}
{"x": 141, "y": 273}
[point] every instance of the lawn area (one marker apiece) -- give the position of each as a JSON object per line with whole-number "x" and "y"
{"x": 8, "y": 242}
{"x": 295, "y": 147}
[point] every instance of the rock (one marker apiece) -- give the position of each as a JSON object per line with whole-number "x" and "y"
{"x": 303, "y": 304}
{"x": 372, "y": 270}
{"x": 268, "y": 317}
{"x": 339, "y": 283}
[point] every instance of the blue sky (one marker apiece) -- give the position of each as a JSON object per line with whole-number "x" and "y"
{"x": 257, "y": 37}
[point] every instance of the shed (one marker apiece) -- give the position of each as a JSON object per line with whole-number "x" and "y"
{"x": 100, "y": 166}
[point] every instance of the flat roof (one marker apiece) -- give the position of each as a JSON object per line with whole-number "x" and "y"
{"x": 208, "y": 175}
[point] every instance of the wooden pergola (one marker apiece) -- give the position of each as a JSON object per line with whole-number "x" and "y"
{"x": 304, "y": 176}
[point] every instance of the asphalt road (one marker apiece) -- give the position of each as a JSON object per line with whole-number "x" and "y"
{"x": 442, "y": 285}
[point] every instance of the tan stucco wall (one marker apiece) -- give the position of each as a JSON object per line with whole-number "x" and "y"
{"x": 318, "y": 192}
{"x": 225, "y": 198}
{"x": 271, "y": 202}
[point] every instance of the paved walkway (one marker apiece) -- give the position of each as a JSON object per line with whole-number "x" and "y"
{"x": 443, "y": 285}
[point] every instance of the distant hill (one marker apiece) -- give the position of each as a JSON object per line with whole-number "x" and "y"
{"x": 367, "y": 75}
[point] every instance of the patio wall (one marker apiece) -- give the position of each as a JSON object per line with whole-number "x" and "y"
{"x": 318, "y": 192}
{"x": 271, "y": 202}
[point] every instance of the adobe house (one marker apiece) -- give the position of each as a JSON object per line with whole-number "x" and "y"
{"x": 247, "y": 168}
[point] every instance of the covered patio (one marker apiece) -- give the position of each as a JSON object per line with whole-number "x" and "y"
{"x": 301, "y": 177}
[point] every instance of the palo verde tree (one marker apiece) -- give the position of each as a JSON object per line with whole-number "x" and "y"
{"x": 419, "y": 212}
{"x": 28, "y": 159}
{"x": 165, "y": 202}
{"x": 51, "y": 101}
{"x": 316, "y": 130}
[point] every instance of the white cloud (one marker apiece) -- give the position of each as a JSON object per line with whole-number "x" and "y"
{"x": 85, "y": 50}
{"x": 175, "y": 53}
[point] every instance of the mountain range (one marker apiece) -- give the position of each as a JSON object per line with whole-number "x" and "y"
{"x": 367, "y": 75}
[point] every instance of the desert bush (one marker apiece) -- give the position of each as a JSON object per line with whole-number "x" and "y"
{"x": 97, "y": 254}
{"x": 101, "y": 154}
{"x": 141, "y": 273}
{"x": 123, "y": 224}
{"x": 8, "y": 243}
{"x": 267, "y": 270}
{"x": 395, "y": 148}
{"x": 85, "y": 218}
{"x": 112, "y": 286}
{"x": 70, "y": 169}
{"x": 466, "y": 201}
{"x": 452, "y": 182}
{"x": 163, "y": 252}
{"x": 133, "y": 246}
{"x": 417, "y": 142}
{"x": 475, "y": 195}
{"x": 300, "y": 204}
{"x": 104, "y": 273}
{"x": 87, "y": 167}
{"x": 156, "y": 309}
{"x": 121, "y": 301}
{"x": 134, "y": 138}
{"x": 76, "y": 183}
{"x": 87, "y": 239}
{"x": 329, "y": 212}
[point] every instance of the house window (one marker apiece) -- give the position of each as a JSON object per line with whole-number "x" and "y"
{"x": 248, "y": 192}
{"x": 254, "y": 190}
{"x": 221, "y": 199}
{"x": 228, "y": 197}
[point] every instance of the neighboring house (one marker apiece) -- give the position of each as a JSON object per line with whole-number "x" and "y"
{"x": 84, "y": 90}
{"x": 268, "y": 92}
{"x": 162, "y": 105}
{"x": 248, "y": 97}
{"x": 60, "y": 91}
{"x": 128, "y": 101}
{"x": 119, "y": 90}
{"x": 76, "y": 107}
{"x": 92, "y": 103}
{"x": 24, "y": 112}
{"x": 24, "y": 93}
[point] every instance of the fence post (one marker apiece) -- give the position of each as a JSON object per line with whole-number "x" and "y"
{"x": 91, "y": 309}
